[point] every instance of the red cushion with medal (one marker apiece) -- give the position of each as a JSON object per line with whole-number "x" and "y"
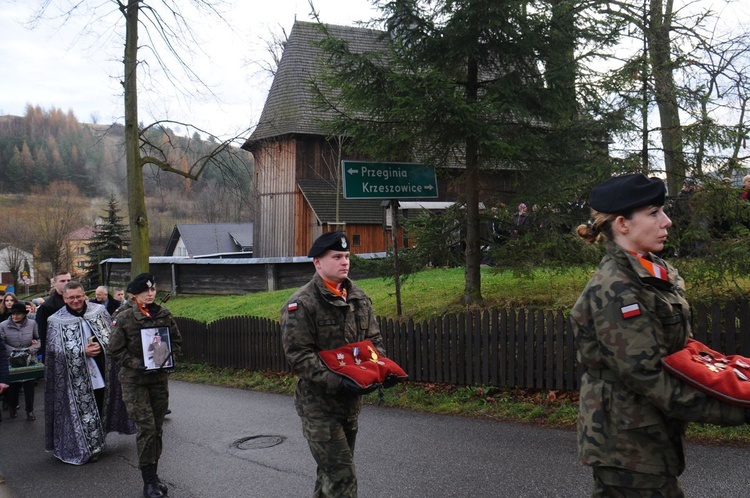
{"x": 362, "y": 363}
{"x": 724, "y": 377}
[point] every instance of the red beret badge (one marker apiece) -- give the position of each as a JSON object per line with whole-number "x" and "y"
{"x": 362, "y": 363}
{"x": 724, "y": 377}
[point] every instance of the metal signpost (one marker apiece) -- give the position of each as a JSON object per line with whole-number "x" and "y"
{"x": 367, "y": 180}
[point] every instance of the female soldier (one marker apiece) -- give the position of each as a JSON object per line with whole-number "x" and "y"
{"x": 145, "y": 392}
{"x": 633, "y": 312}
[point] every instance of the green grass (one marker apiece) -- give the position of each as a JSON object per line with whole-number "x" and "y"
{"x": 434, "y": 293}
{"x": 423, "y": 295}
{"x": 210, "y": 308}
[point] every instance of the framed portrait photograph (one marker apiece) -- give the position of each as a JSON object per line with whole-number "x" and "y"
{"x": 157, "y": 348}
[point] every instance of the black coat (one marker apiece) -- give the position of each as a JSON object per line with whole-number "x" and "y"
{"x": 112, "y": 305}
{"x": 46, "y": 310}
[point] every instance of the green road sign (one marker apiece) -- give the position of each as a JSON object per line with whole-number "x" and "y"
{"x": 363, "y": 180}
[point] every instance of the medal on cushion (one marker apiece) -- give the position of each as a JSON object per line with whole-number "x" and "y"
{"x": 340, "y": 357}
{"x": 357, "y": 359}
{"x": 741, "y": 375}
{"x": 716, "y": 365}
{"x": 713, "y": 364}
{"x": 374, "y": 356}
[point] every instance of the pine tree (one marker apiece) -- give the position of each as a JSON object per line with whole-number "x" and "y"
{"x": 41, "y": 166}
{"x": 481, "y": 83}
{"x": 14, "y": 172}
{"x": 27, "y": 163}
{"x": 110, "y": 240}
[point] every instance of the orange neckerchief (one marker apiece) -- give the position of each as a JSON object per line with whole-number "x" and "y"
{"x": 144, "y": 309}
{"x": 654, "y": 269}
{"x": 337, "y": 289}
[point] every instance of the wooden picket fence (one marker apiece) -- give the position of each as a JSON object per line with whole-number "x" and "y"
{"x": 506, "y": 348}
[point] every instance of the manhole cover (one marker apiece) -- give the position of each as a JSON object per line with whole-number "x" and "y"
{"x": 258, "y": 442}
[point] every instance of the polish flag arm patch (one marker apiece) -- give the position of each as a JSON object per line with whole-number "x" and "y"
{"x": 291, "y": 306}
{"x": 631, "y": 310}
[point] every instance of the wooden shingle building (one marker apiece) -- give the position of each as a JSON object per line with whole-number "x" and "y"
{"x": 296, "y": 163}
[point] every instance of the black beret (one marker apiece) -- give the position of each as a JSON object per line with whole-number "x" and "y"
{"x": 141, "y": 283}
{"x": 19, "y": 307}
{"x": 331, "y": 241}
{"x": 625, "y": 193}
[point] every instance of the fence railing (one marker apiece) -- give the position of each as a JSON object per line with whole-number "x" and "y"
{"x": 505, "y": 348}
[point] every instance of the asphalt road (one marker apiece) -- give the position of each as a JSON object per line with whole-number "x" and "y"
{"x": 227, "y": 443}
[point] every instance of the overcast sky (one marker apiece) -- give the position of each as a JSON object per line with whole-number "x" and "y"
{"x": 62, "y": 66}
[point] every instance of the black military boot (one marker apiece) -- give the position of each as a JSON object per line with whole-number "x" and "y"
{"x": 150, "y": 484}
{"x": 162, "y": 486}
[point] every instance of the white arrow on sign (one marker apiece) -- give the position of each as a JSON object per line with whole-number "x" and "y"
{"x": 351, "y": 171}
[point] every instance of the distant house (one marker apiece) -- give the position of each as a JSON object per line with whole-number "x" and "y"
{"x": 79, "y": 241}
{"x": 12, "y": 257}
{"x": 216, "y": 240}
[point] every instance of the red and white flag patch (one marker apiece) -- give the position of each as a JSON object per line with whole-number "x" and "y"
{"x": 291, "y": 306}
{"x": 631, "y": 310}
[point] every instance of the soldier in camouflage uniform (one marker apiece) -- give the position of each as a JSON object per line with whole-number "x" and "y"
{"x": 145, "y": 392}
{"x": 633, "y": 312}
{"x": 327, "y": 313}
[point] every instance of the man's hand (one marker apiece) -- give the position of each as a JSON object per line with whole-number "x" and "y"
{"x": 351, "y": 387}
{"x": 3, "y": 387}
{"x": 92, "y": 349}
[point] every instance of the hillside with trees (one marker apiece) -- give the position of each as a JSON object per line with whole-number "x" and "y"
{"x": 51, "y": 161}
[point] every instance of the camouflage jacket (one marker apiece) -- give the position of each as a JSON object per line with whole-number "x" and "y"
{"x": 314, "y": 320}
{"x": 632, "y": 413}
{"x": 126, "y": 347}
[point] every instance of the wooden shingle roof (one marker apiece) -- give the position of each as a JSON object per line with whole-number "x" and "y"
{"x": 290, "y": 108}
{"x": 321, "y": 196}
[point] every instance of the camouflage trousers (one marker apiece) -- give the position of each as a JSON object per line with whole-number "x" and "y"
{"x": 331, "y": 442}
{"x": 147, "y": 406}
{"x": 620, "y": 483}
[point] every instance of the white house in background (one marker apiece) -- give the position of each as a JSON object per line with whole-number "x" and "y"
{"x": 211, "y": 240}
{"x": 12, "y": 256}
